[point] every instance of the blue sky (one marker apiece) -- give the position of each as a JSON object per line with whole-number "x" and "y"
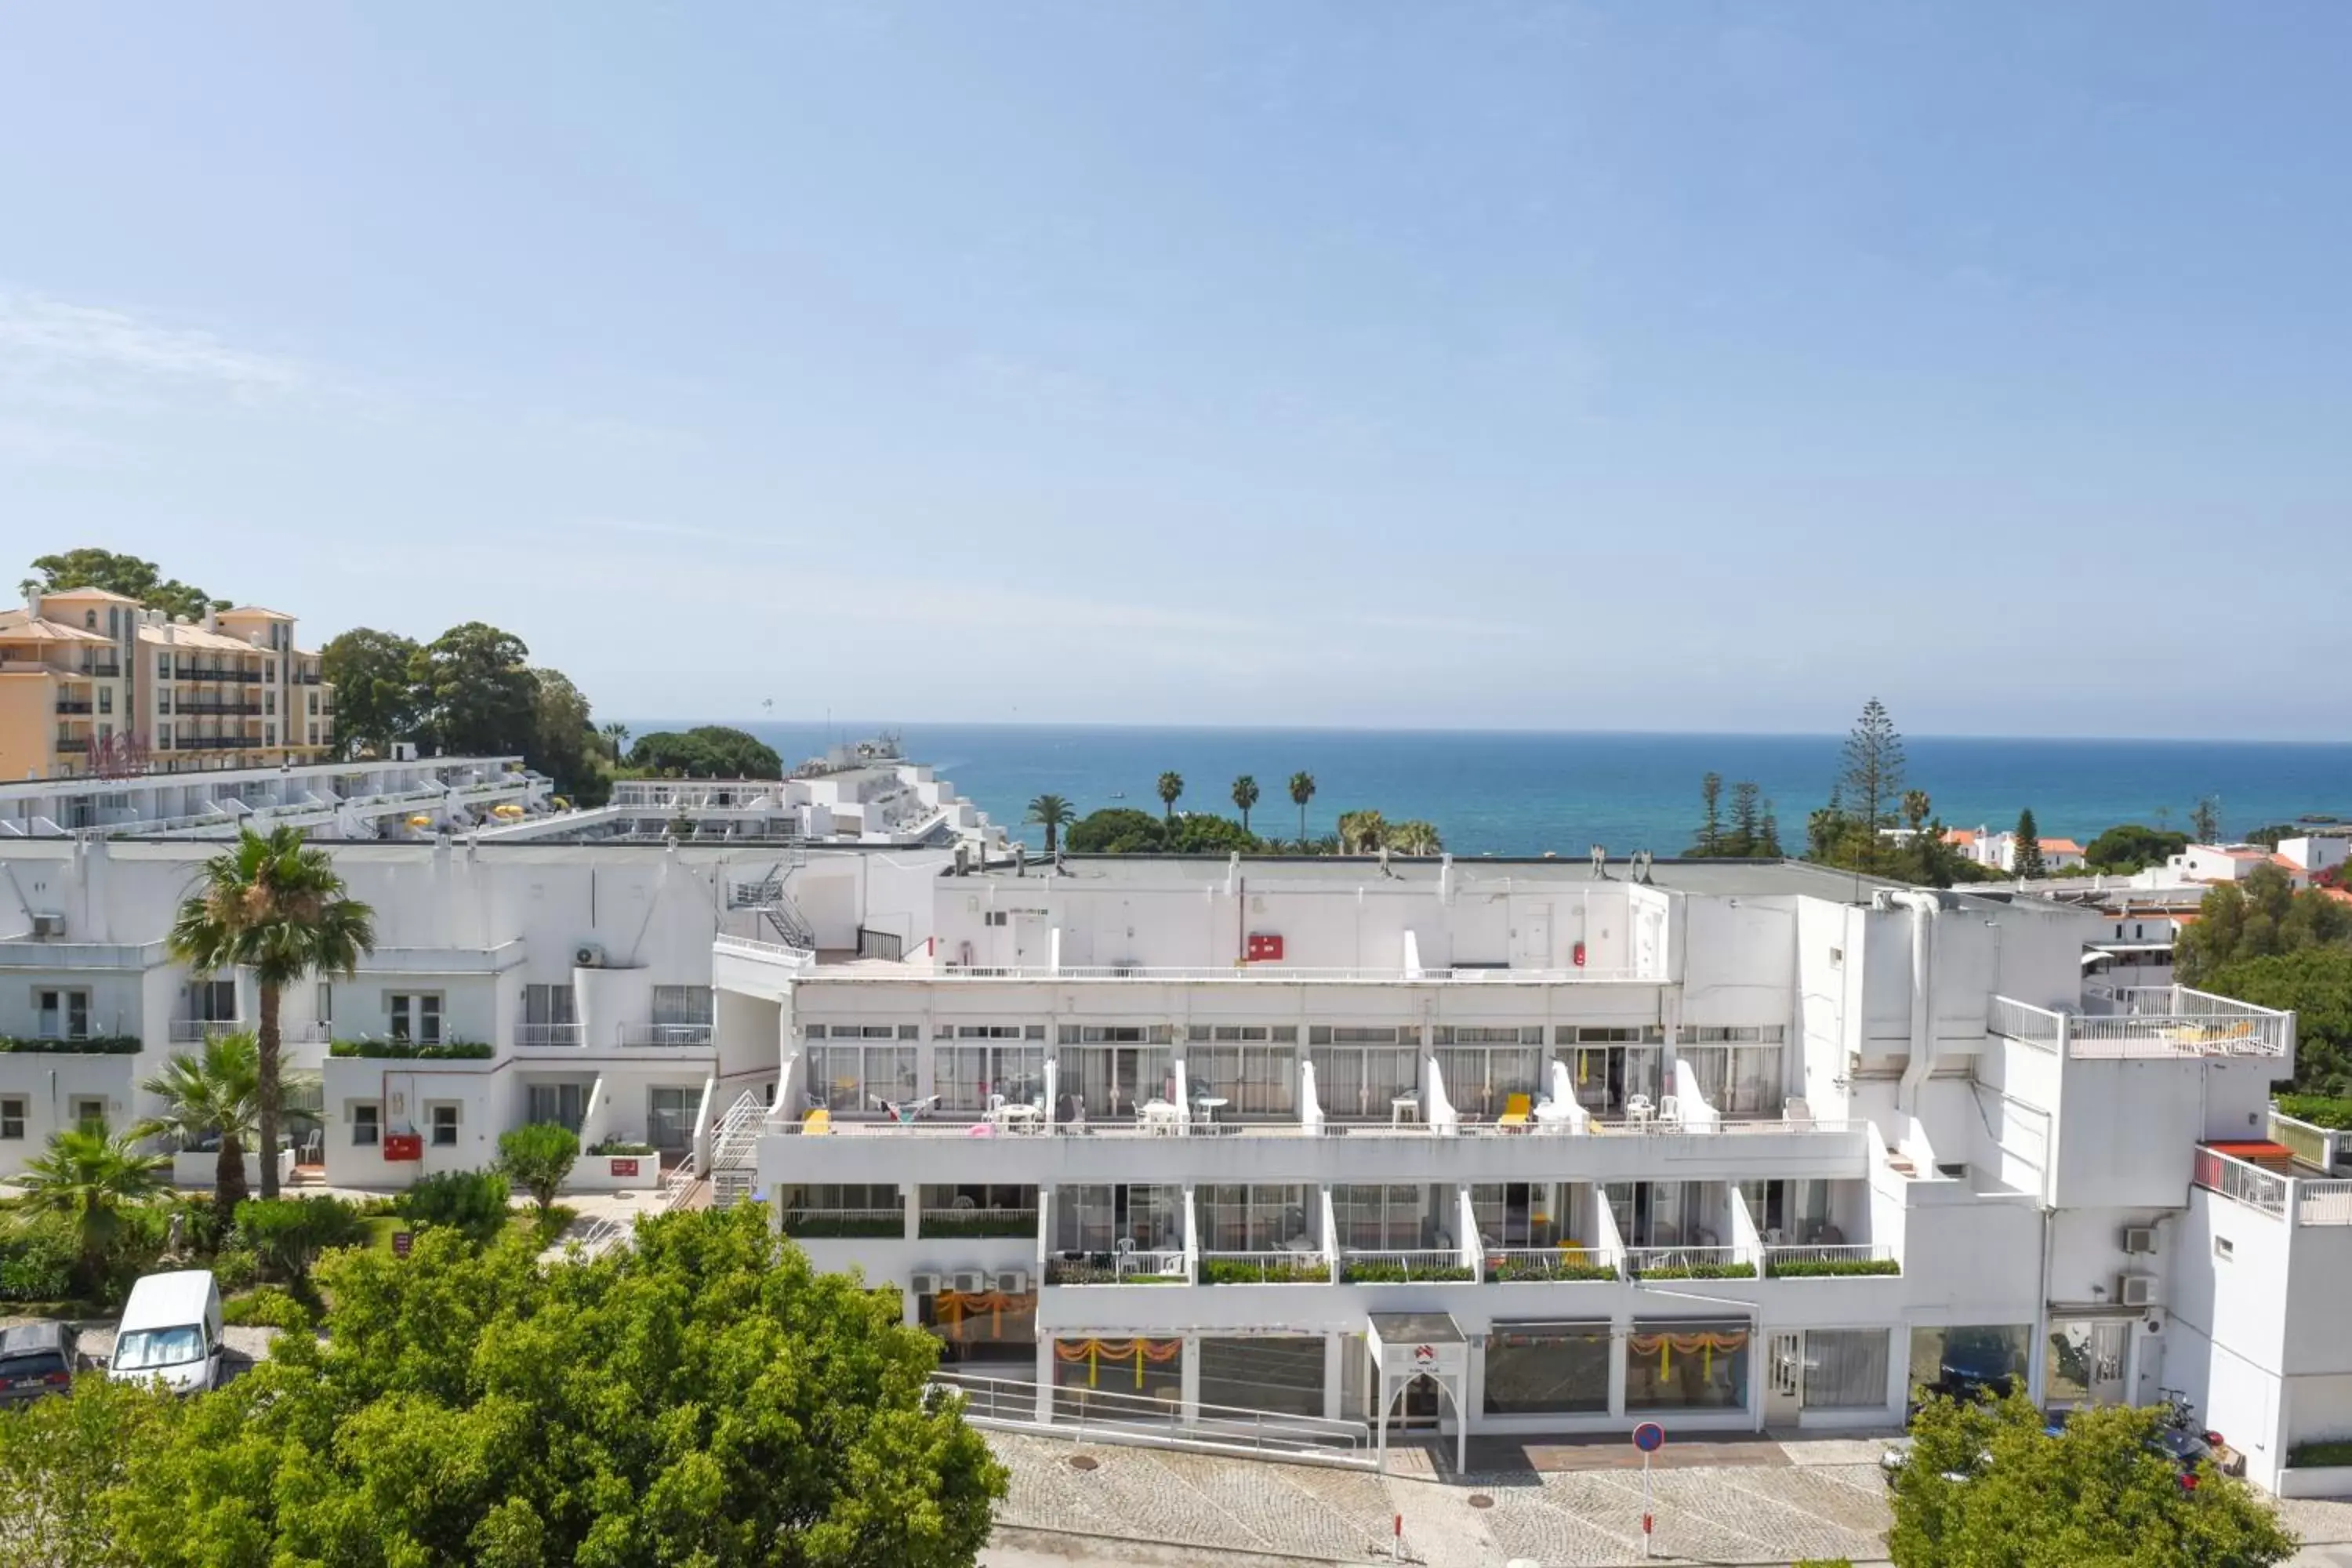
{"x": 1661, "y": 366}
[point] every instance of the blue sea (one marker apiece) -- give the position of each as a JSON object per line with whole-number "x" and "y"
{"x": 1523, "y": 793}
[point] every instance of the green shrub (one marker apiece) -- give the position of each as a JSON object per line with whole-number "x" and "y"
{"x": 537, "y": 1157}
{"x": 270, "y": 1307}
{"x": 2319, "y": 1109}
{"x": 977, "y": 1223}
{"x": 88, "y": 1046}
{"x": 621, "y": 1146}
{"x": 200, "y": 1227}
{"x": 412, "y": 1050}
{"x": 815, "y": 1227}
{"x": 1699, "y": 1271}
{"x": 37, "y": 1264}
{"x": 1375, "y": 1271}
{"x": 1509, "y": 1270}
{"x": 1241, "y": 1271}
{"x": 287, "y": 1234}
{"x": 235, "y": 1268}
{"x": 472, "y": 1200}
{"x": 1823, "y": 1267}
{"x": 2318, "y": 1455}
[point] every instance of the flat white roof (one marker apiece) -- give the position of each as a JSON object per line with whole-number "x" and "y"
{"x": 168, "y": 1300}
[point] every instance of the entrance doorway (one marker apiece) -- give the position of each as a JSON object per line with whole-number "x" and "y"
{"x": 1416, "y": 1408}
{"x": 669, "y": 1119}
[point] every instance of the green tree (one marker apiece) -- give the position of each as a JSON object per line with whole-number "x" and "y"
{"x": 2314, "y": 983}
{"x": 1414, "y": 836}
{"x": 1302, "y": 790}
{"x": 1117, "y": 830}
{"x": 1828, "y": 830}
{"x": 276, "y": 906}
{"x": 1871, "y": 780}
{"x": 2025, "y": 860}
{"x": 475, "y": 695}
{"x": 214, "y": 1094}
{"x": 705, "y": 1397}
{"x": 707, "y": 751}
{"x": 90, "y": 1182}
{"x": 537, "y": 1157}
{"x": 1172, "y": 784}
{"x": 1054, "y": 814}
{"x": 1768, "y": 834}
{"x": 1204, "y": 833}
{"x": 1986, "y": 1487}
{"x": 124, "y": 574}
{"x": 1363, "y": 832}
{"x": 617, "y": 738}
{"x": 375, "y": 700}
{"x": 1245, "y": 797}
{"x": 2261, "y": 917}
{"x": 565, "y": 743}
{"x": 62, "y": 1462}
{"x": 2205, "y": 819}
{"x": 471, "y": 1203}
{"x": 2128, "y": 847}
{"x": 1747, "y": 835}
{"x": 1710, "y": 825}
{"x": 289, "y": 1234}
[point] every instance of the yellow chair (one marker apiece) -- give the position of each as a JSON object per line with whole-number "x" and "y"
{"x": 819, "y": 1120}
{"x": 1516, "y": 1111}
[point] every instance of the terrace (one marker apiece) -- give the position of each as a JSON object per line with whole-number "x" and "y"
{"x": 2267, "y": 1178}
{"x": 2151, "y": 1021}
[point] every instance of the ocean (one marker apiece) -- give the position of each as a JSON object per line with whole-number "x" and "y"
{"x": 1523, "y": 793}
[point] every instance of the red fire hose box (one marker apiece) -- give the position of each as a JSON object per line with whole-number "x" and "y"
{"x": 403, "y": 1145}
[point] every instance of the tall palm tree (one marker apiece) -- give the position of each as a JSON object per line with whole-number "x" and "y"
{"x": 1302, "y": 790}
{"x": 219, "y": 1094}
{"x": 273, "y": 905}
{"x": 1246, "y": 797}
{"x": 88, "y": 1180}
{"x": 1361, "y": 832}
{"x": 616, "y": 735}
{"x": 1055, "y": 814}
{"x": 1172, "y": 784}
{"x": 1413, "y": 837}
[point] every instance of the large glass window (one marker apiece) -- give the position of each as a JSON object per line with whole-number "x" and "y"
{"x": 1610, "y": 1065}
{"x": 1687, "y": 1365}
{"x": 1253, "y": 1068}
{"x": 965, "y": 1076}
{"x": 1485, "y": 1067}
{"x": 1280, "y": 1373}
{"x": 1107, "y": 1377}
{"x": 1098, "y": 1218}
{"x": 681, "y": 1005}
{"x": 1382, "y": 1217}
{"x": 1970, "y": 1356}
{"x": 1794, "y": 1212}
{"x": 1520, "y": 1213}
{"x": 851, "y": 1077}
{"x": 1112, "y": 1080}
{"x": 1845, "y": 1369}
{"x": 1545, "y": 1369}
{"x": 1253, "y": 1218}
{"x": 1361, "y": 1071}
{"x": 982, "y": 1326}
{"x": 1738, "y": 1068}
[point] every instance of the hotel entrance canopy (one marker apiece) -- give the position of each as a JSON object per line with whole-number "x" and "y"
{"x": 1409, "y": 1345}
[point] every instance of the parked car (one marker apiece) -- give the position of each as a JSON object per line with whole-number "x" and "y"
{"x": 37, "y": 1358}
{"x": 171, "y": 1333}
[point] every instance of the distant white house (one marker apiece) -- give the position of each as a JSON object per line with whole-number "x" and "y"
{"x": 1999, "y": 850}
{"x": 2300, "y": 858}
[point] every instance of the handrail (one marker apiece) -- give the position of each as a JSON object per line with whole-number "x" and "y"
{"x": 1639, "y": 1260}
{"x": 1117, "y": 1415}
{"x": 2323, "y": 1201}
{"x": 2242, "y": 1183}
{"x": 531, "y": 1035}
{"x": 1275, "y": 973}
{"x": 1276, "y": 1266}
{"x": 964, "y": 1125}
{"x": 1418, "y": 1264}
{"x": 665, "y": 1034}
{"x": 1776, "y": 1253}
{"x": 1569, "y": 1261}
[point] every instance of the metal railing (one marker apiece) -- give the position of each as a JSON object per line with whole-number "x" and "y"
{"x": 1775, "y": 1254}
{"x": 1115, "y": 1416}
{"x": 1513, "y": 1264}
{"x": 527, "y": 1035}
{"x": 1370, "y": 1265}
{"x": 1277, "y": 972}
{"x": 665, "y": 1034}
{"x": 2023, "y": 1021}
{"x": 1278, "y": 1266}
{"x": 954, "y": 1224}
{"x": 1095, "y": 1267}
{"x": 2314, "y": 1145}
{"x": 2241, "y": 1183}
{"x": 2326, "y": 1200}
{"x": 959, "y": 1125}
{"x": 819, "y": 1222}
{"x": 1641, "y": 1260}
{"x": 190, "y": 1031}
{"x": 2157, "y": 1021}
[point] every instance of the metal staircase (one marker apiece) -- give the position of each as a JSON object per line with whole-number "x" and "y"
{"x": 734, "y": 1149}
{"x": 770, "y": 899}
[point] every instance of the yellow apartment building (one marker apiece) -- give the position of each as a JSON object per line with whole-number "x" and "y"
{"x": 94, "y": 683}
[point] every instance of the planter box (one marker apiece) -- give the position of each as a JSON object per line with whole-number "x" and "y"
{"x": 196, "y": 1170}
{"x": 2319, "y": 1480}
{"x": 613, "y": 1174}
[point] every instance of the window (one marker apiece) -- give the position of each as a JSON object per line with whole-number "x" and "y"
{"x": 367, "y": 1123}
{"x": 1546, "y": 1369}
{"x": 1265, "y": 1218}
{"x": 1277, "y": 1373}
{"x": 12, "y": 1117}
{"x": 326, "y": 1003}
{"x": 1845, "y": 1369}
{"x": 850, "y": 1078}
{"x": 548, "y": 1017}
{"x": 1481, "y": 1079}
{"x": 269, "y": 736}
{"x": 164, "y": 701}
{"x": 269, "y": 702}
{"x": 2223, "y": 1247}
{"x": 1680, "y": 1364}
{"x": 213, "y": 1001}
{"x": 61, "y": 1014}
{"x": 997, "y": 917}
{"x": 1971, "y": 1355}
{"x": 162, "y": 666}
{"x": 1254, "y": 1079}
{"x": 966, "y": 1076}
{"x": 106, "y": 699}
{"x": 682, "y": 1004}
{"x": 1485, "y": 1035}
{"x": 444, "y": 1126}
{"x": 314, "y": 704}
{"x": 566, "y": 1104}
{"x": 1374, "y": 1216}
{"x": 414, "y": 1016}
{"x": 87, "y": 1111}
{"x": 1347, "y": 1034}
{"x": 1116, "y": 1034}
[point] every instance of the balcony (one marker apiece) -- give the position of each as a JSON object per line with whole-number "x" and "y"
{"x": 823, "y": 1223}
{"x": 681, "y": 1036}
{"x": 1688, "y": 1263}
{"x": 206, "y": 705}
{"x": 69, "y": 705}
{"x": 1284, "y": 1266}
{"x": 2266, "y": 1178}
{"x": 1544, "y": 1265}
{"x": 532, "y": 1036}
{"x": 1165, "y": 1266}
{"x": 2153, "y": 1021}
{"x": 1416, "y": 1266}
{"x": 959, "y": 1224}
{"x": 195, "y": 1031}
{"x": 106, "y": 672}
{"x": 75, "y": 743}
{"x": 1826, "y": 1261}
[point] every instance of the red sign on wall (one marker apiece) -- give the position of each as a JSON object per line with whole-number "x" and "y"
{"x": 403, "y": 1145}
{"x": 1264, "y": 947}
{"x": 621, "y": 1167}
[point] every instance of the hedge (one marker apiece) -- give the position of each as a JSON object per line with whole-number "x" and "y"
{"x": 833, "y": 1227}
{"x": 412, "y": 1050}
{"x": 1509, "y": 1270}
{"x": 2319, "y": 1109}
{"x": 2320, "y": 1455}
{"x": 1381, "y": 1273}
{"x": 1821, "y": 1268}
{"x": 1698, "y": 1271}
{"x": 1241, "y": 1271}
{"x": 87, "y": 1046}
{"x": 975, "y": 1223}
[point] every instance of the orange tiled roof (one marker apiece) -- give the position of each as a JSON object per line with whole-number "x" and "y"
{"x": 16, "y": 626}
{"x": 1959, "y": 835}
{"x": 2061, "y": 847}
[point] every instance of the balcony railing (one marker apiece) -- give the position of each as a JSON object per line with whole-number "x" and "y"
{"x": 1163, "y": 1266}
{"x": 1513, "y": 1264}
{"x": 1412, "y": 1267}
{"x": 1795, "y": 1261}
{"x": 189, "y": 1031}
{"x": 2242, "y": 1183}
{"x": 528, "y": 1034}
{"x": 665, "y": 1034}
{"x": 951, "y": 1224}
{"x": 73, "y": 742}
{"x": 2161, "y": 1021}
{"x": 1281, "y": 1267}
{"x": 106, "y": 672}
{"x": 1277, "y": 973}
{"x": 68, "y": 705}
{"x": 817, "y": 1224}
{"x": 1688, "y": 1263}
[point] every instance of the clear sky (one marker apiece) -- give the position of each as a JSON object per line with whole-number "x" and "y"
{"x": 1655, "y": 366}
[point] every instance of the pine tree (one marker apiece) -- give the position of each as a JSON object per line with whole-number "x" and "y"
{"x": 1873, "y": 779}
{"x": 1710, "y": 827}
{"x": 2026, "y": 861}
{"x": 2205, "y": 820}
{"x": 1747, "y": 826}
{"x": 1768, "y": 836}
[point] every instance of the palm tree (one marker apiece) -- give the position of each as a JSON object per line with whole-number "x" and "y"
{"x": 216, "y": 1094}
{"x": 1302, "y": 790}
{"x": 1246, "y": 797}
{"x": 1172, "y": 784}
{"x": 1413, "y": 837}
{"x": 616, "y": 735}
{"x": 275, "y": 906}
{"x": 1056, "y": 813}
{"x": 1361, "y": 832}
{"x": 88, "y": 1180}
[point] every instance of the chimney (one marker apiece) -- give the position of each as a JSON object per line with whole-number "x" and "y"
{"x": 212, "y": 619}
{"x": 32, "y": 600}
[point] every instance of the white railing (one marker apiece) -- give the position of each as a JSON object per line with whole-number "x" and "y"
{"x": 1280, "y": 1266}
{"x": 530, "y": 1035}
{"x": 1116, "y": 1416}
{"x": 2314, "y": 1145}
{"x": 1280, "y": 973}
{"x": 2236, "y": 1180}
{"x": 189, "y": 1031}
{"x": 665, "y": 1034}
{"x": 950, "y": 1126}
{"x": 752, "y": 947}
{"x": 2323, "y": 1202}
{"x": 1380, "y": 1266}
{"x": 2024, "y": 1021}
{"x": 820, "y": 1223}
{"x": 1641, "y": 1260}
{"x": 1842, "y": 1252}
{"x": 2159, "y": 1021}
{"x": 955, "y": 1225}
{"x": 1513, "y": 1264}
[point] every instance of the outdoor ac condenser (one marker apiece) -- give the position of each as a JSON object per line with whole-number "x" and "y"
{"x": 924, "y": 1284}
{"x": 2136, "y": 1290}
{"x": 2140, "y": 1238}
{"x": 1012, "y": 1282}
{"x": 969, "y": 1281}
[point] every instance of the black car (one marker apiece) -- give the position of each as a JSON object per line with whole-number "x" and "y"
{"x": 37, "y": 1358}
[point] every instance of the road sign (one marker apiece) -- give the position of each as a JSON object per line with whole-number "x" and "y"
{"x": 1649, "y": 1436}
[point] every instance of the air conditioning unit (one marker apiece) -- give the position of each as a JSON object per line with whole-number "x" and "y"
{"x": 968, "y": 1282}
{"x": 47, "y": 926}
{"x": 2140, "y": 1238}
{"x": 2137, "y": 1291}
{"x": 1012, "y": 1282}
{"x": 588, "y": 955}
{"x": 924, "y": 1283}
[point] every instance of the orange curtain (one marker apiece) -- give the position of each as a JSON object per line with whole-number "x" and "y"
{"x": 1093, "y": 1351}
{"x": 1703, "y": 1345}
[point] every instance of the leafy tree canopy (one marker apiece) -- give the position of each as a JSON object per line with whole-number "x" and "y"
{"x": 375, "y": 700}
{"x": 1987, "y": 1488}
{"x": 124, "y": 574}
{"x": 2262, "y": 916}
{"x": 537, "y": 1157}
{"x": 475, "y": 695}
{"x": 2128, "y": 847}
{"x": 564, "y": 744}
{"x": 2315, "y": 983}
{"x": 1202, "y": 833}
{"x": 1117, "y": 830}
{"x": 709, "y": 750}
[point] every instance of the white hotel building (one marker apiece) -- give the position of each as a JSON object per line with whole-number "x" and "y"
{"x": 1719, "y": 1144}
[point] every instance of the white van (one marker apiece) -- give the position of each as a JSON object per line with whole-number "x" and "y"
{"x": 171, "y": 1333}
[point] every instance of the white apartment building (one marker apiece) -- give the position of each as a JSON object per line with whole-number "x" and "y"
{"x": 1999, "y": 850}
{"x": 396, "y": 798}
{"x": 1534, "y": 1147}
